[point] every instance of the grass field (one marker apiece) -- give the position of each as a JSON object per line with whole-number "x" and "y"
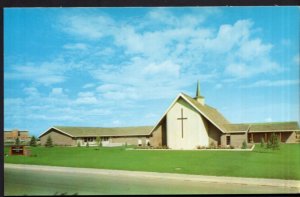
{"x": 261, "y": 163}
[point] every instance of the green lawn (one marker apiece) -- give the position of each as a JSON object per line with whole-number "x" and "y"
{"x": 281, "y": 164}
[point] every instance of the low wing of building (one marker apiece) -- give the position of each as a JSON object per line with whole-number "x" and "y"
{"x": 71, "y": 136}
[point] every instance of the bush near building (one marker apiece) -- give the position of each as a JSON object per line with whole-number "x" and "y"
{"x": 49, "y": 142}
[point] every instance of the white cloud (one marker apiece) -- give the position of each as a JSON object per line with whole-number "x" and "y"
{"x": 269, "y": 119}
{"x": 256, "y": 66}
{"x": 31, "y": 91}
{"x": 252, "y": 49}
{"x": 57, "y": 91}
{"x": 269, "y": 83}
{"x": 296, "y": 59}
{"x": 116, "y": 122}
{"x": 46, "y": 73}
{"x": 166, "y": 67}
{"x": 229, "y": 36}
{"x": 92, "y": 27}
{"x": 76, "y": 46}
{"x": 88, "y": 85}
{"x": 86, "y": 98}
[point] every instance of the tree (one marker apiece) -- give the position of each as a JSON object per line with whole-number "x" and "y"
{"x": 262, "y": 142}
{"x": 269, "y": 144}
{"x": 98, "y": 141}
{"x": 273, "y": 142}
{"x": 17, "y": 141}
{"x": 244, "y": 145}
{"x": 32, "y": 141}
{"x": 49, "y": 142}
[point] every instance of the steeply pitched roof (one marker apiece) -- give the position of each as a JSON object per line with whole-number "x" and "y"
{"x": 100, "y": 131}
{"x": 214, "y": 115}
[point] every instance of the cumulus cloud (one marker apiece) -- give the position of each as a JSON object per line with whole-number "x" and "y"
{"x": 296, "y": 59}
{"x": 88, "y": 85}
{"x": 270, "y": 83}
{"x": 31, "y": 91}
{"x": 92, "y": 27}
{"x": 57, "y": 91}
{"x": 75, "y": 46}
{"x": 86, "y": 98}
{"x": 46, "y": 73}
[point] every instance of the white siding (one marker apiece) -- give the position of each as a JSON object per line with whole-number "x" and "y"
{"x": 194, "y": 128}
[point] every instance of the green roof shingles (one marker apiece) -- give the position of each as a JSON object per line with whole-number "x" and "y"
{"x": 273, "y": 126}
{"x": 210, "y": 112}
{"x": 100, "y": 131}
{"x": 237, "y": 127}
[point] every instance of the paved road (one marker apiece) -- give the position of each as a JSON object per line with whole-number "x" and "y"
{"x": 34, "y": 180}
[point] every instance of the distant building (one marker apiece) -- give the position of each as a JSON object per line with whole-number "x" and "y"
{"x": 187, "y": 124}
{"x": 11, "y": 136}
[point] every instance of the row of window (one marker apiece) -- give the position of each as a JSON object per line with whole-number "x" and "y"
{"x": 92, "y": 139}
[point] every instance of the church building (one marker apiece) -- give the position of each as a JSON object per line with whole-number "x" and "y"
{"x": 188, "y": 123}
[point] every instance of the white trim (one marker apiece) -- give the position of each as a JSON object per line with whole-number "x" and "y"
{"x": 57, "y": 130}
{"x": 177, "y": 97}
{"x": 181, "y": 95}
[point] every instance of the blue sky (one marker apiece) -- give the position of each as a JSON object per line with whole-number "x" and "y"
{"x": 111, "y": 67}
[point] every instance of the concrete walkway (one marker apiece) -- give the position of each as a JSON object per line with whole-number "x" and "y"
{"x": 214, "y": 179}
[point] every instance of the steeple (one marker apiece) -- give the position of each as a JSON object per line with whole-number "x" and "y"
{"x": 198, "y": 89}
{"x": 200, "y": 99}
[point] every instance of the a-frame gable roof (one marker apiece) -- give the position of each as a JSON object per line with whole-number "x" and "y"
{"x": 210, "y": 113}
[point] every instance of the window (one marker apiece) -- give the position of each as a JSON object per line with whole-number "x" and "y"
{"x": 105, "y": 139}
{"x": 227, "y": 140}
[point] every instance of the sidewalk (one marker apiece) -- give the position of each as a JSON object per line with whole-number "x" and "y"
{"x": 187, "y": 177}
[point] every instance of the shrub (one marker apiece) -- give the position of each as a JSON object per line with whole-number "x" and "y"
{"x": 273, "y": 142}
{"x": 231, "y": 147}
{"x": 78, "y": 144}
{"x": 32, "y": 141}
{"x": 87, "y": 144}
{"x": 49, "y": 142}
{"x": 244, "y": 145}
{"x": 212, "y": 145}
{"x": 98, "y": 141}
{"x": 269, "y": 144}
